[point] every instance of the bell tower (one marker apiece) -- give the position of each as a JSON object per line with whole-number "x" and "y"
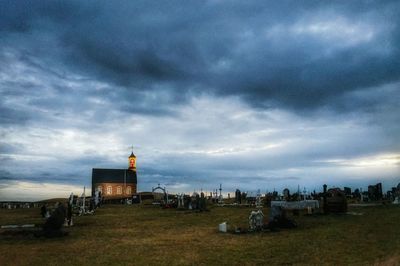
{"x": 132, "y": 162}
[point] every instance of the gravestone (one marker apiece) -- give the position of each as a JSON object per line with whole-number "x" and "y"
{"x": 335, "y": 201}
{"x": 286, "y": 194}
{"x": 189, "y": 203}
{"x": 278, "y": 219}
{"x": 69, "y": 214}
{"x": 181, "y": 204}
{"x": 222, "y": 227}
{"x": 71, "y": 198}
{"x": 202, "y": 202}
{"x": 238, "y": 197}
{"x": 43, "y": 210}
{"x": 274, "y": 212}
{"x": 256, "y": 220}
{"x": 53, "y": 225}
{"x": 195, "y": 201}
{"x": 244, "y": 197}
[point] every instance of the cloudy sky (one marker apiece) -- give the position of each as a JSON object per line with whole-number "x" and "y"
{"x": 251, "y": 94}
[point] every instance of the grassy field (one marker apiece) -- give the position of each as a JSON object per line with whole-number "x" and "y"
{"x": 147, "y": 235}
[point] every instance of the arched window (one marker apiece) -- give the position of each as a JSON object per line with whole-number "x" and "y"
{"x": 109, "y": 190}
{"x": 128, "y": 190}
{"x": 100, "y": 189}
{"x": 119, "y": 190}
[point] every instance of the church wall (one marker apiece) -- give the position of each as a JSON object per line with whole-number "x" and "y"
{"x": 116, "y": 189}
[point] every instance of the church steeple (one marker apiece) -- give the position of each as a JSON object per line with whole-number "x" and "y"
{"x": 132, "y": 162}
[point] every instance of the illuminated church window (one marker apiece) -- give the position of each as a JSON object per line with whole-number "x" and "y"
{"x": 119, "y": 190}
{"x": 109, "y": 190}
{"x": 128, "y": 190}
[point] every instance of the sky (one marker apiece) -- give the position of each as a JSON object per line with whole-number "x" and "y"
{"x": 248, "y": 94}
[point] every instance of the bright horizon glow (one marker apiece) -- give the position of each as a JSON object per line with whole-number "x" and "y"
{"x": 381, "y": 160}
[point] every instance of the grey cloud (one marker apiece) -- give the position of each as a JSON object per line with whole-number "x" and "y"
{"x": 5, "y": 175}
{"x": 48, "y": 173}
{"x": 10, "y": 116}
{"x": 7, "y": 148}
{"x": 136, "y": 45}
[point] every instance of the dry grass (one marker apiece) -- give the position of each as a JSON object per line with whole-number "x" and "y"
{"x": 390, "y": 261}
{"x": 145, "y": 235}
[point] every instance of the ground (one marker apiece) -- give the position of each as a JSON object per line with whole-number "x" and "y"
{"x": 148, "y": 235}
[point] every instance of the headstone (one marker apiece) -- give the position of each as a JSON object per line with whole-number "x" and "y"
{"x": 222, "y": 227}
{"x": 243, "y": 197}
{"x": 274, "y": 211}
{"x": 286, "y": 194}
{"x": 71, "y": 198}
{"x": 43, "y": 210}
{"x": 220, "y": 199}
{"x": 189, "y": 203}
{"x": 181, "y": 203}
{"x": 197, "y": 201}
{"x": 325, "y": 199}
{"x": 278, "y": 219}
{"x": 69, "y": 214}
{"x": 396, "y": 201}
{"x": 202, "y": 203}
{"x": 256, "y": 220}
{"x": 238, "y": 197}
{"x": 336, "y": 201}
{"x": 83, "y": 197}
{"x": 215, "y": 197}
{"x": 53, "y": 225}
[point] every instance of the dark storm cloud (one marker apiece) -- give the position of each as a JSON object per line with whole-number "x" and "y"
{"x": 49, "y": 170}
{"x": 259, "y": 51}
{"x": 5, "y": 175}
{"x": 12, "y": 116}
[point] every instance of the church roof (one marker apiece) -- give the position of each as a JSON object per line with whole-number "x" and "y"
{"x": 101, "y": 175}
{"x": 132, "y": 155}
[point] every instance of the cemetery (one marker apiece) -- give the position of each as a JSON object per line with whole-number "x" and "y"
{"x": 116, "y": 225}
{"x": 189, "y": 232}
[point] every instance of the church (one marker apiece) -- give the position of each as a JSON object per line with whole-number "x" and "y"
{"x": 115, "y": 183}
